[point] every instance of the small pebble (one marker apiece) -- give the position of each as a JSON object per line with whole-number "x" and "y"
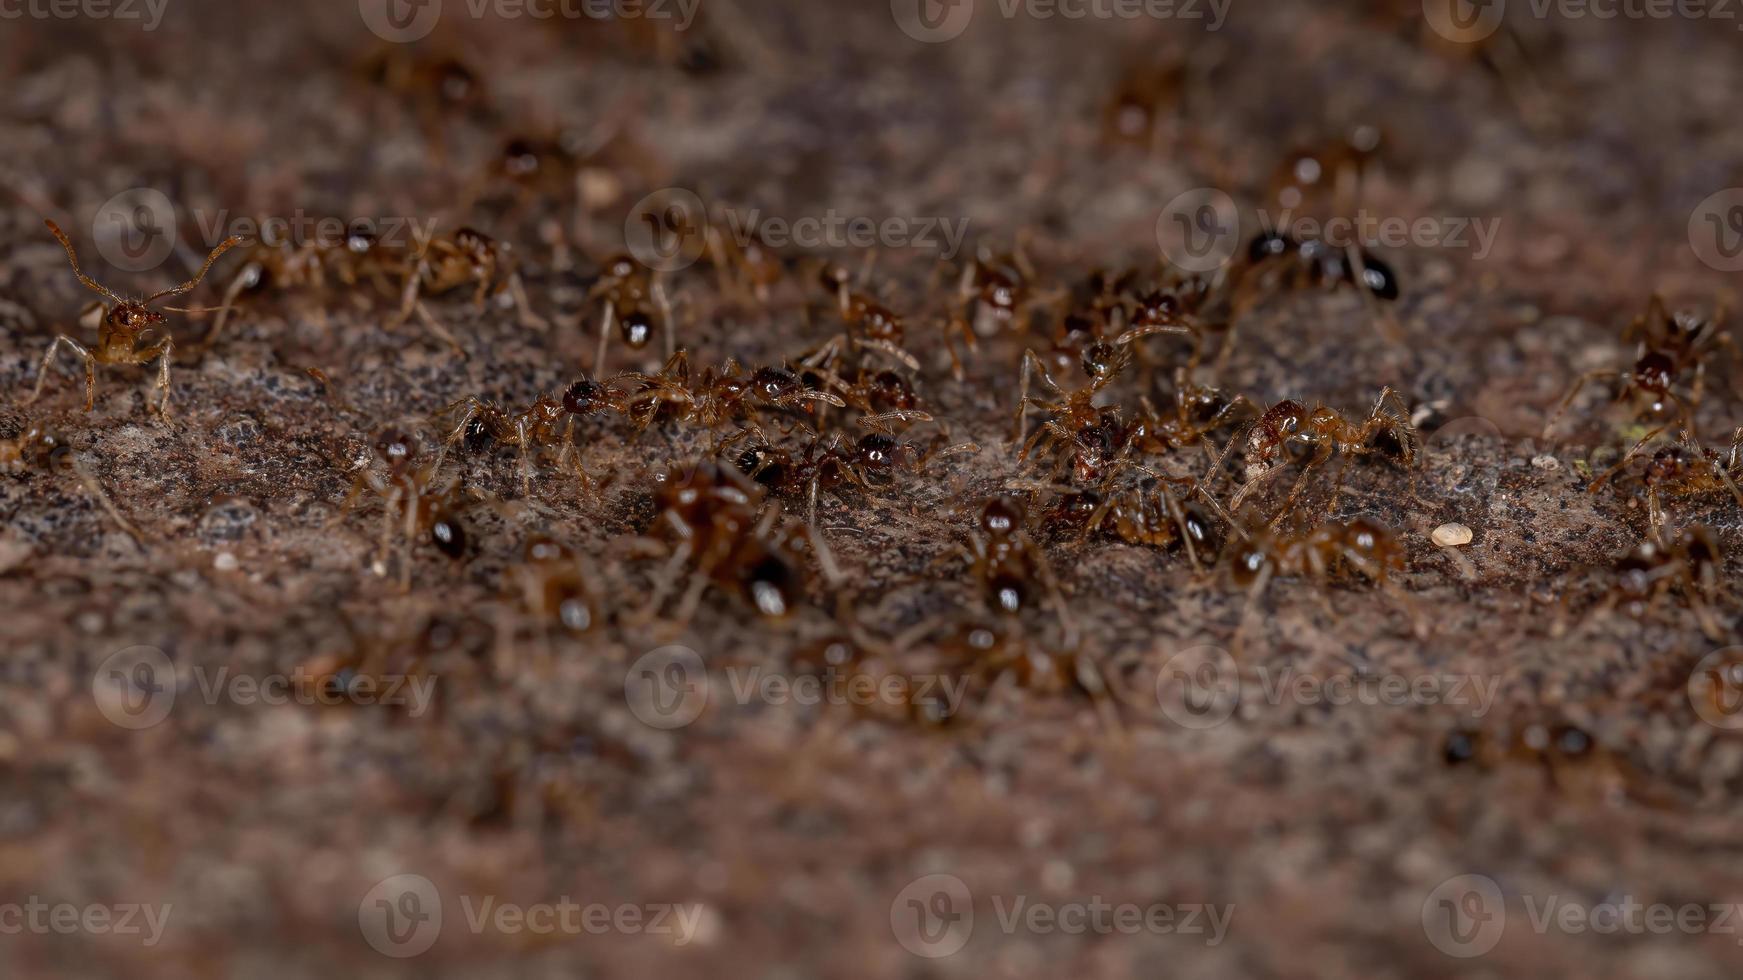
{"x": 225, "y": 562}
{"x": 1546, "y": 462}
{"x": 1451, "y": 535}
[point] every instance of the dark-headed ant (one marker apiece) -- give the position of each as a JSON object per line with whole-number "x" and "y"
{"x": 631, "y": 297}
{"x": 1290, "y": 432}
{"x": 124, "y": 331}
{"x": 554, "y": 587}
{"x": 1686, "y": 561}
{"x": 410, "y": 498}
{"x": 1684, "y": 469}
{"x": 718, "y": 398}
{"x": 1671, "y": 346}
{"x": 548, "y": 422}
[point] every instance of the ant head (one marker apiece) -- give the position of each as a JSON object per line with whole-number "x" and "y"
{"x": 891, "y": 391}
{"x": 1200, "y": 528}
{"x": 637, "y": 328}
{"x": 1203, "y": 405}
{"x": 999, "y": 291}
{"x": 877, "y": 452}
{"x": 1102, "y": 361}
{"x": 360, "y": 240}
{"x": 1668, "y": 463}
{"x": 765, "y": 464}
{"x": 771, "y": 582}
{"x": 1698, "y": 546}
{"x": 1370, "y": 540}
{"x": 133, "y": 318}
{"x": 1269, "y": 245}
{"x": 1001, "y": 516}
{"x": 1158, "y": 308}
{"x": 774, "y": 384}
{"x": 620, "y": 266}
{"x": 586, "y": 397}
{"x": 1654, "y": 372}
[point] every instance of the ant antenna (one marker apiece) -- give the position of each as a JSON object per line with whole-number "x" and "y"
{"x": 73, "y": 257}
{"x": 223, "y": 246}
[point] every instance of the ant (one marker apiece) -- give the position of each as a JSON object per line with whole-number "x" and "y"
{"x": 710, "y": 514}
{"x": 1684, "y": 469}
{"x": 124, "y": 331}
{"x": 1686, "y": 561}
{"x": 306, "y": 266}
{"x": 480, "y": 422}
{"x": 1670, "y": 347}
{"x": 1289, "y": 432}
{"x": 869, "y": 325}
{"x": 472, "y": 258}
{"x": 826, "y": 465}
{"x": 1095, "y": 436}
{"x": 1149, "y": 514}
{"x": 748, "y": 269}
{"x": 885, "y": 398}
{"x": 35, "y": 448}
{"x": 630, "y": 295}
{"x": 1008, "y": 563}
{"x": 1360, "y": 545}
{"x": 410, "y": 498}
{"x": 715, "y": 399}
{"x": 553, "y": 586}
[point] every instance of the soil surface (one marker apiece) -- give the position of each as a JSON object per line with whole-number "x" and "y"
{"x": 384, "y": 754}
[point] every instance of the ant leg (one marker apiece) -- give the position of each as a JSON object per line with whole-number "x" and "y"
{"x": 1598, "y": 484}
{"x": 95, "y": 489}
{"x": 48, "y": 361}
{"x": 1032, "y": 364}
{"x": 605, "y": 324}
{"x": 669, "y": 328}
{"x": 1296, "y": 491}
{"x": 249, "y": 272}
{"x": 160, "y": 350}
{"x": 434, "y": 326}
{"x": 1252, "y": 486}
{"x": 1573, "y": 392}
{"x": 1254, "y": 593}
{"x": 528, "y": 318}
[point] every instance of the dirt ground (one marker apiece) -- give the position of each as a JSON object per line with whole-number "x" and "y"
{"x": 1513, "y": 777}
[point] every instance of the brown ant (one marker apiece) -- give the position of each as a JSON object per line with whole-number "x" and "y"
{"x": 409, "y": 498}
{"x": 1093, "y": 438}
{"x": 1150, "y": 515}
{"x": 717, "y": 398}
{"x": 826, "y": 465}
{"x": 124, "y": 331}
{"x": 553, "y": 586}
{"x": 870, "y": 325}
{"x": 1670, "y": 347}
{"x": 471, "y": 258}
{"x": 631, "y": 297}
{"x": 885, "y": 398}
{"x": 709, "y": 514}
{"x": 1685, "y": 561}
{"x": 1008, "y": 563}
{"x": 1361, "y": 545}
{"x": 548, "y": 422}
{"x": 1684, "y": 469}
{"x": 287, "y": 266}
{"x": 1290, "y": 432}
{"x": 38, "y": 449}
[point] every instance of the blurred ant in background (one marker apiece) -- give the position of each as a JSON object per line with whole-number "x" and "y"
{"x": 1684, "y": 469}
{"x": 410, "y": 498}
{"x": 1685, "y": 562}
{"x": 719, "y": 398}
{"x": 36, "y": 449}
{"x": 124, "y": 329}
{"x": 631, "y": 298}
{"x": 1671, "y": 347}
{"x": 549, "y": 422}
